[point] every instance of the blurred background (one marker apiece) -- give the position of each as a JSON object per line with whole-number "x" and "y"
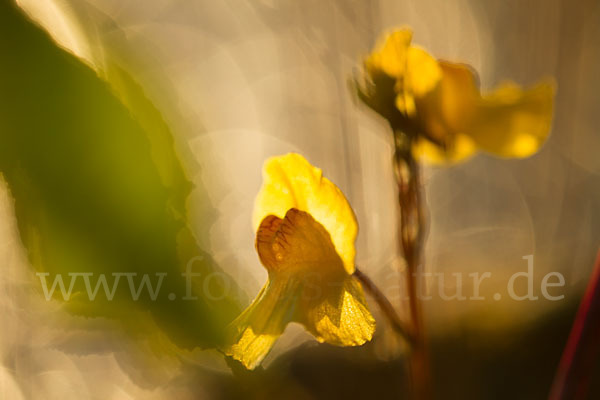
{"x": 234, "y": 82}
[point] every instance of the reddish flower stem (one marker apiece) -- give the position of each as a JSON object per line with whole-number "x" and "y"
{"x": 412, "y": 235}
{"x": 583, "y": 346}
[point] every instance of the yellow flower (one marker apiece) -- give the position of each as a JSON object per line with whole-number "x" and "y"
{"x": 439, "y": 106}
{"x": 305, "y": 240}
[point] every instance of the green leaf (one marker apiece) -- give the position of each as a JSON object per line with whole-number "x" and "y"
{"x": 98, "y": 188}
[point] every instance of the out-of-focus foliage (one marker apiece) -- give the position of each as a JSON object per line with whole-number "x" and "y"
{"x": 98, "y": 188}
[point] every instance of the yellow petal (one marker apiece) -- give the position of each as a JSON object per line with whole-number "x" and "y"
{"x": 423, "y": 71}
{"x": 252, "y": 334}
{"x": 413, "y": 70}
{"x": 511, "y": 122}
{"x": 448, "y": 109}
{"x": 289, "y": 181}
{"x": 340, "y": 316}
{"x": 444, "y": 113}
{"x": 390, "y": 54}
{"x": 460, "y": 148}
{"x": 405, "y": 102}
{"x": 422, "y": 75}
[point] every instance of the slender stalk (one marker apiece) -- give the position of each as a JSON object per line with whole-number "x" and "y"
{"x": 580, "y": 356}
{"x": 384, "y": 304}
{"x": 412, "y": 233}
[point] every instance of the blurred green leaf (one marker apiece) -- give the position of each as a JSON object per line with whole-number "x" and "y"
{"x": 98, "y": 188}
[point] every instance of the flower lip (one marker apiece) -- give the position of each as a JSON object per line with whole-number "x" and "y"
{"x": 297, "y": 244}
{"x": 290, "y": 181}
